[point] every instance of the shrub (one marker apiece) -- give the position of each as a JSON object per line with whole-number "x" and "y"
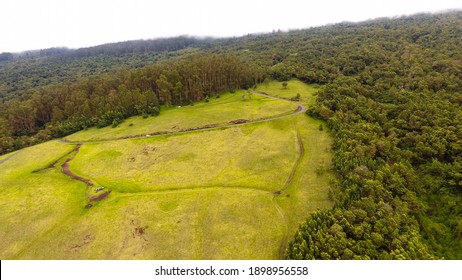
{"x": 110, "y": 117}
{"x": 296, "y": 97}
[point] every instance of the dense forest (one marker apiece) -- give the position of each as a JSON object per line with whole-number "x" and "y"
{"x": 30, "y": 69}
{"x": 391, "y": 95}
{"x": 393, "y": 103}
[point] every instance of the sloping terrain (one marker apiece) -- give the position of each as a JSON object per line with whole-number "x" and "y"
{"x": 195, "y": 194}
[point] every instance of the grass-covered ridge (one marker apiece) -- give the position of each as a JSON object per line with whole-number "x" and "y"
{"x": 220, "y": 111}
{"x": 234, "y": 192}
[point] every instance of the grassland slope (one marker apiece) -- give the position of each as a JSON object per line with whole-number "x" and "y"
{"x": 206, "y": 194}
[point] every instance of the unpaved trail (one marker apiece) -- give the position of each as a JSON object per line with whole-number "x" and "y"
{"x": 300, "y": 109}
{"x": 8, "y": 157}
{"x": 65, "y": 168}
{"x": 301, "y": 152}
{"x": 67, "y": 171}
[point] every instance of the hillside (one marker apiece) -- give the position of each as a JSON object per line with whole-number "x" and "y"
{"x": 388, "y": 91}
{"x": 189, "y": 193}
{"x": 30, "y": 69}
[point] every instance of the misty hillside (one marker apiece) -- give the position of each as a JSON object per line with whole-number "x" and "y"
{"x": 25, "y": 70}
{"x": 390, "y": 94}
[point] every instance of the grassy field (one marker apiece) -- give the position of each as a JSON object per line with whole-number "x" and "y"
{"x": 275, "y": 88}
{"x": 232, "y": 193}
{"x": 229, "y": 107}
{"x": 33, "y": 203}
{"x": 195, "y": 224}
{"x": 308, "y": 190}
{"x": 239, "y": 156}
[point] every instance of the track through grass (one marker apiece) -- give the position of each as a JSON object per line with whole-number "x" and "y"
{"x": 217, "y": 113}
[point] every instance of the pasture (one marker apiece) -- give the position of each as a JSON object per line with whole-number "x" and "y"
{"x": 233, "y": 192}
{"x": 217, "y": 112}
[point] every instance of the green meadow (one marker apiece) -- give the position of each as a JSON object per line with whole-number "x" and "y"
{"x": 233, "y": 192}
{"x": 241, "y": 157}
{"x": 218, "y": 111}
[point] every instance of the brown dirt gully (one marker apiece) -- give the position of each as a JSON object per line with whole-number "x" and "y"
{"x": 65, "y": 169}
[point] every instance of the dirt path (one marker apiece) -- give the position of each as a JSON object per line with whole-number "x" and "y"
{"x": 300, "y": 109}
{"x": 65, "y": 168}
{"x": 301, "y": 152}
{"x": 7, "y": 158}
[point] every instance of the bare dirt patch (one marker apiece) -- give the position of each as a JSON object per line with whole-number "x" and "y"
{"x": 138, "y": 231}
{"x": 149, "y": 149}
{"x": 65, "y": 169}
{"x": 88, "y": 238}
{"x": 100, "y": 197}
{"x": 239, "y": 121}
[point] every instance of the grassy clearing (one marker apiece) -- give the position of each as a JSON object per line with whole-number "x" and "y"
{"x": 221, "y": 110}
{"x": 243, "y": 156}
{"x": 198, "y": 195}
{"x": 308, "y": 190}
{"x": 5, "y": 157}
{"x": 31, "y": 207}
{"x": 207, "y": 224}
{"x": 275, "y": 88}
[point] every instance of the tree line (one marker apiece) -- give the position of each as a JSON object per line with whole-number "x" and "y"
{"x": 31, "y": 69}
{"x": 55, "y": 111}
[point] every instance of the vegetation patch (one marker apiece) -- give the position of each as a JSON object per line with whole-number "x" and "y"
{"x": 206, "y": 224}
{"x": 34, "y": 203}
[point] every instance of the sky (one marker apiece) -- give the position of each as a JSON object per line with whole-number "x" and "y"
{"x": 39, "y": 24}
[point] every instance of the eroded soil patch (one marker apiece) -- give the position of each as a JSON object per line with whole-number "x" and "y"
{"x": 100, "y": 197}
{"x": 66, "y": 170}
{"x": 87, "y": 240}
